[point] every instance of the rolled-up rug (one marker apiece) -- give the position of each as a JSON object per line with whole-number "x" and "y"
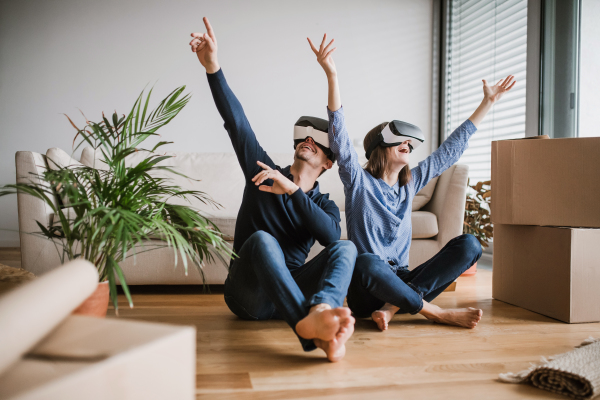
{"x": 30, "y": 311}
{"x": 575, "y": 374}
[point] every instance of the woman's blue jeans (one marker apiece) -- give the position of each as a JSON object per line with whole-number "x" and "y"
{"x": 260, "y": 286}
{"x": 374, "y": 281}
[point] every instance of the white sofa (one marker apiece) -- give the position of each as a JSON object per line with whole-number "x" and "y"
{"x": 435, "y": 221}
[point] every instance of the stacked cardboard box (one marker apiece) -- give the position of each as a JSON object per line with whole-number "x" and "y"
{"x": 546, "y": 216}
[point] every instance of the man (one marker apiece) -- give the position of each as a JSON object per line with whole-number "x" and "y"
{"x": 281, "y": 215}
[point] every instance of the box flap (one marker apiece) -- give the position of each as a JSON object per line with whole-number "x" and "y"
{"x": 529, "y": 138}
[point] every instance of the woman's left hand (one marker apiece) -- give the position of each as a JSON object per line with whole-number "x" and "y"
{"x": 324, "y": 56}
{"x": 494, "y": 93}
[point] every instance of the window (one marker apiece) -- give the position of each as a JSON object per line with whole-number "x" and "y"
{"x": 485, "y": 39}
{"x": 560, "y": 69}
{"x": 589, "y": 64}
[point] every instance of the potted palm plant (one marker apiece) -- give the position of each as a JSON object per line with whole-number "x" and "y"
{"x": 110, "y": 212}
{"x": 477, "y": 216}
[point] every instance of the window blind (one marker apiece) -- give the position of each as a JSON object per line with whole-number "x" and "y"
{"x": 486, "y": 39}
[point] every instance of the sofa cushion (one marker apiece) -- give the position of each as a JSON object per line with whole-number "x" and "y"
{"x": 344, "y": 235}
{"x": 218, "y": 175}
{"x": 87, "y": 159}
{"x": 226, "y": 225}
{"x": 57, "y": 159}
{"x": 424, "y": 195}
{"x": 424, "y": 225}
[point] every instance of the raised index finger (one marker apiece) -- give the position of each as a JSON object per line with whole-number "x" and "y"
{"x": 323, "y": 42}
{"x": 209, "y": 29}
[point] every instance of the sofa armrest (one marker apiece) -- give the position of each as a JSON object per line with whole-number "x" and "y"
{"x": 448, "y": 202}
{"x": 38, "y": 254}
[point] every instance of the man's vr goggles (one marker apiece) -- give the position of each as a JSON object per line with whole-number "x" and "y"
{"x": 316, "y": 128}
{"x": 394, "y": 134}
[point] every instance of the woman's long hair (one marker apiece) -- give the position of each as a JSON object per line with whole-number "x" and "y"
{"x": 377, "y": 164}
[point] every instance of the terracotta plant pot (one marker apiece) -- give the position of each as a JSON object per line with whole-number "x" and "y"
{"x": 97, "y": 304}
{"x": 471, "y": 271}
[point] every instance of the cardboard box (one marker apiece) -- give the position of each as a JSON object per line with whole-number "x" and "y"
{"x": 106, "y": 358}
{"x": 553, "y": 182}
{"x": 549, "y": 270}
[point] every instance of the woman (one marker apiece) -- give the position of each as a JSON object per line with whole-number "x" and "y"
{"x": 378, "y": 214}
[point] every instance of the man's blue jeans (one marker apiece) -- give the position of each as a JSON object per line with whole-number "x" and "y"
{"x": 260, "y": 286}
{"x": 375, "y": 283}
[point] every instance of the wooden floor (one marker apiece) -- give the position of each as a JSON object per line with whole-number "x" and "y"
{"x": 414, "y": 359}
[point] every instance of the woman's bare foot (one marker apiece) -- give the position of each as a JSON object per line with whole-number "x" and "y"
{"x": 381, "y": 318}
{"x": 465, "y": 317}
{"x": 384, "y": 315}
{"x": 323, "y": 322}
{"x": 336, "y": 349}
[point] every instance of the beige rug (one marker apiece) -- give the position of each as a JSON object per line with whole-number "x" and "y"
{"x": 575, "y": 374}
{"x": 12, "y": 277}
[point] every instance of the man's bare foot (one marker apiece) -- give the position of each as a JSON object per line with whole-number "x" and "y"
{"x": 465, "y": 317}
{"x": 336, "y": 348}
{"x": 323, "y": 322}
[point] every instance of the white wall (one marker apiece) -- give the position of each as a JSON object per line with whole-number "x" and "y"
{"x": 589, "y": 65}
{"x": 60, "y": 55}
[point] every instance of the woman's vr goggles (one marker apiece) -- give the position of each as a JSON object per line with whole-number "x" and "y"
{"x": 316, "y": 128}
{"x": 394, "y": 134}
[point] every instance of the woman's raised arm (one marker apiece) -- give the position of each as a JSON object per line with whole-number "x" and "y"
{"x": 491, "y": 94}
{"x": 339, "y": 141}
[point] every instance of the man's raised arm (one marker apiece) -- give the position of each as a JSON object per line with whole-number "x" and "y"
{"x": 246, "y": 147}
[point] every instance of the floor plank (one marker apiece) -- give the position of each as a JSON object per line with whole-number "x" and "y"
{"x": 223, "y": 381}
{"x": 413, "y": 359}
{"x": 10, "y": 256}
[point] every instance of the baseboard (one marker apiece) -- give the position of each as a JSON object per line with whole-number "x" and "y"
{"x": 10, "y": 243}
{"x": 489, "y": 249}
{"x": 487, "y": 257}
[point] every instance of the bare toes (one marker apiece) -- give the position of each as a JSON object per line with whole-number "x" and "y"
{"x": 348, "y": 321}
{"x": 342, "y": 312}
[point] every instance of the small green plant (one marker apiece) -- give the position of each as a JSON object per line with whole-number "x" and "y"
{"x": 477, "y": 213}
{"x": 115, "y": 210}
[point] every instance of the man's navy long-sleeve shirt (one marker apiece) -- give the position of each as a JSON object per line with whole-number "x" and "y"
{"x": 296, "y": 220}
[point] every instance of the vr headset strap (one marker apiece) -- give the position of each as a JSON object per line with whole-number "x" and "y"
{"x": 374, "y": 144}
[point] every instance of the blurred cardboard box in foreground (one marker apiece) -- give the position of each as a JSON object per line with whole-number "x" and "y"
{"x": 106, "y": 358}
